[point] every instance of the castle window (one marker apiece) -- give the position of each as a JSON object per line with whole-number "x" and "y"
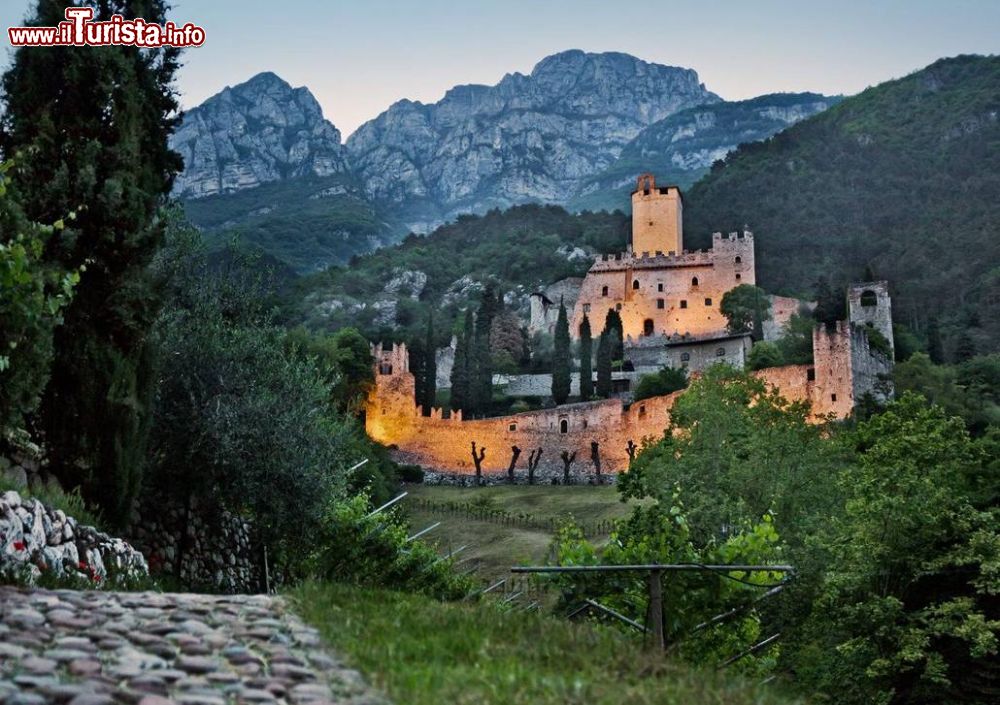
{"x": 694, "y": 281}
{"x": 720, "y": 352}
{"x": 685, "y": 357}
{"x": 833, "y": 397}
{"x": 738, "y": 260}
{"x": 659, "y": 287}
{"x": 869, "y": 298}
{"x": 660, "y": 303}
{"x": 386, "y": 368}
{"x": 651, "y": 223}
{"x": 512, "y": 427}
{"x": 811, "y": 374}
{"x": 564, "y": 426}
{"x": 635, "y": 284}
{"x": 604, "y": 291}
{"x": 586, "y": 308}
{"x": 738, "y": 277}
{"x": 708, "y": 302}
{"x": 684, "y": 303}
{"x": 647, "y": 327}
{"x": 618, "y": 307}
{"x": 642, "y": 411}
{"x": 585, "y": 423}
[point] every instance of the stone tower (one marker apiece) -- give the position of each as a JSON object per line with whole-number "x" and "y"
{"x": 869, "y": 305}
{"x": 657, "y": 218}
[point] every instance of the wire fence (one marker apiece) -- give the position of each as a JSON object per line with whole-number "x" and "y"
{"x": 502, "y": 517}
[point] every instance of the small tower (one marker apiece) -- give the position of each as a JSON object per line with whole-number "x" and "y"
{"x": 657, "y": 218}
{"x": 869, "y": 305}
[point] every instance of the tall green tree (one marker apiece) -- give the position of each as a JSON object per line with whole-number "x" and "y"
{"x": 830, "y": 303}
{"x": 586, "y": 360}
{"x": 460, "y": 367}
{"x": 746, "y": 308}
{"x": 935, "y": 346}
{"x": 430, "y": 368}
{"x": 561, "y": 358}
{"x": 96, "y": 121}
{"x": 33, "y": 294}
{"x": 616, "y": 334}
{"x": 604, "y": 365}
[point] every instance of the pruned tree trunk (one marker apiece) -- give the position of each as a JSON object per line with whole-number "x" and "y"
{"x": 515, "y": 453}
{"x": 567, "y": 459}
{"x": 595, "y": 457}
{"x": 477, "y": 458}
{"x": 631, "y": 448}
{"x": 533, "y": 459}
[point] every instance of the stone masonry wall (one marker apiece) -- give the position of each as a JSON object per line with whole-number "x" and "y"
{"x": 206, "y": 554}
{"x": 35, "y": 538}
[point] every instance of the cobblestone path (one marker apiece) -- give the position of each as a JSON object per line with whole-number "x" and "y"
{"x": 102, "y": 648}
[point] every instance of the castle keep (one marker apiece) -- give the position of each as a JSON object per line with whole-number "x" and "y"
{"x": 662, "y": 292}
{"x": 669, "y": 301}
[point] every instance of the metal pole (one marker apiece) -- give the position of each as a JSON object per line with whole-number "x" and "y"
{"x": 386, "y": 505}
{"x": 421, "y": 533}
{"x": 656, "y": 609}
{"x": 666, "y": 567}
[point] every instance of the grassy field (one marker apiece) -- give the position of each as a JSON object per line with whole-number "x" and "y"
{"x": 423, "y": 652}
{"x": 494, "y": 547}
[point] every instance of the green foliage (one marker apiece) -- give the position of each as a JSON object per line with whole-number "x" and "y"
{"x": 102, "y": 154}
{"x": 345, "y": 360}
{"x": 746, "y": 308}
{"x": 667, "y": 380}
{"x": 970, "y": 390}
{"x": 306, "y": 223}
{"x": 909, "y": 606}
{"x": 586, "y": 360}
{"x": 423, "y": 652}
{"x": 72, "y": 503}
{"x": 764, "y": 354}
{"x": 604, "y": 366}
{"x": 796, "y": 341}
{"x": 354, "y": 547}
{"x": 660, "y": 534}
{"x": 878, "y": 342}
{"x": 615, "y": 331}
{"x": 902, "y": 177}
{"x": 245, "y": 421}
{"x": 738, "y": 450}
{"x": 517, "y": 248}
{"x": 33, "y": 294}
{"x": 561, "y": 358}
{"x": 460, "y": 377}
{"x": 429, "y": 370}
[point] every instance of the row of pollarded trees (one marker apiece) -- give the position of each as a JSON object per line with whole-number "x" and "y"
{"x": 610, "y": 348}
{"x": 535, "y": 457}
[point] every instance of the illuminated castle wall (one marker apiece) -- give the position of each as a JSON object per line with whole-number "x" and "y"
{"x": 845, "y": 368}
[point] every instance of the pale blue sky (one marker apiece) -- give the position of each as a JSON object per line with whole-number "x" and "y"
{"x": 357, "y": 57}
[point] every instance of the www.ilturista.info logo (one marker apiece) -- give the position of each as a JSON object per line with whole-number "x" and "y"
{"x": 79, "y": 30}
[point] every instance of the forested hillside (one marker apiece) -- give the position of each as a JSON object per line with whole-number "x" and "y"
{"x": 902, "y": 179}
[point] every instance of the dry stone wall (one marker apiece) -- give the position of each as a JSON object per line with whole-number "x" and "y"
{"x": 36, "y": 539}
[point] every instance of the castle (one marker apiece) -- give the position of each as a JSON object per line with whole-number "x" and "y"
{"x": 669, "y": 301}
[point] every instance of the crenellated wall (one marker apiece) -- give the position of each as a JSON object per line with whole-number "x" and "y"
{"x": 677, "y": 292}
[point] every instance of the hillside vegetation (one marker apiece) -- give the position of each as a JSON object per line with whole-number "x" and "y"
{"x": 307, "y": 223}
{"x": 423, "y": 652}
{"x": 903, "y": 179}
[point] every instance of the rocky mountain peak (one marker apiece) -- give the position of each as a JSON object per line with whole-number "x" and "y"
{"x": 259, "y": 131}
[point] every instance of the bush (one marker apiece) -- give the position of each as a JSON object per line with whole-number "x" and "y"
{"x": 763, "y": 355}
{"x": 411, "y": 473}
{"x": 354, "y": 547}
{"x": 667, "y": 380}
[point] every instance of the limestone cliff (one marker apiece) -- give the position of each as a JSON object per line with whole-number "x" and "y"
{"x": 527, "y": 138}
{"x": 255, "y": 133}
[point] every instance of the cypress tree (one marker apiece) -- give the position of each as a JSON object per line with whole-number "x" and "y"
{"x": 430, "y": 368}
{"x": 95, "y": 121}
{"x": 586, "y": 361}
{"x": 830, "y": 306}
{"x": 965, "y": 348}
{"x": 460, "y": 368}
{"x": 561, "y": 358}
{"x": 616, "y": 332}
{"x": 604, "y": 366}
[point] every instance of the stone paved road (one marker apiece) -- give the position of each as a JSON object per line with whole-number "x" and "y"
{"x": 102, "y": 648}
